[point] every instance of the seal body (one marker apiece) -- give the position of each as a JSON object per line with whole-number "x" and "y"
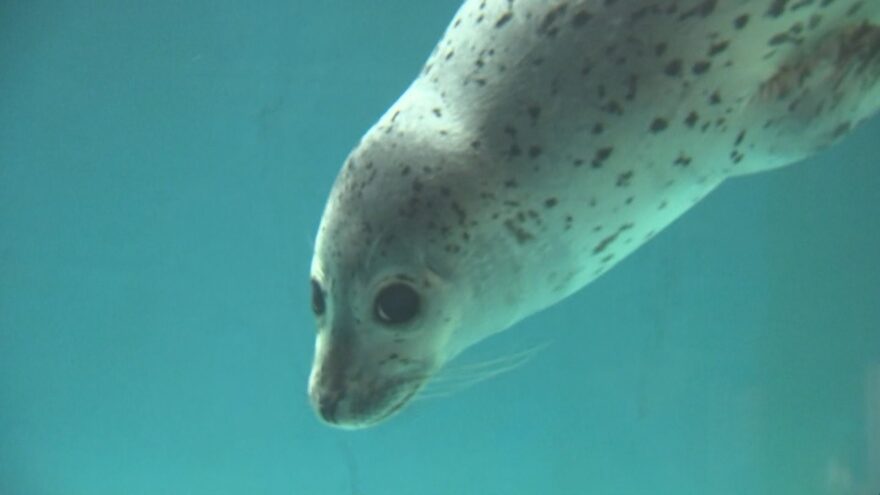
{"x": 542, "y": 143}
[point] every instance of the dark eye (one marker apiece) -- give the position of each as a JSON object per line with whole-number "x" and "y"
{"x": 318, "y": 305}
{"x": 397, "y": 303}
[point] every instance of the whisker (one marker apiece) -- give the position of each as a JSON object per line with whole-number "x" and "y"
{"x": 448, "y": 389}
{"x": 464, "y": 375}
{"x": 516, "y": 359}
{"x": 458, "y": 378}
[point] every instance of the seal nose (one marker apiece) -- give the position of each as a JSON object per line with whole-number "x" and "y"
{"x": 328, "y": 383}
{"x": 327, "y": 405}
{"x": 326, "y": 401}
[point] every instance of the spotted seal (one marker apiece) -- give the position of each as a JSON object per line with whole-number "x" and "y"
{"x": 542, "y": 143}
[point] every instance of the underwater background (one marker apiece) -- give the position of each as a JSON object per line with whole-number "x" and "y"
{"x": 163, "y": 168}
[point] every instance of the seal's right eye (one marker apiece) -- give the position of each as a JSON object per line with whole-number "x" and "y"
{"x": 397, "y": 303}
{"x": 318, "y": 305}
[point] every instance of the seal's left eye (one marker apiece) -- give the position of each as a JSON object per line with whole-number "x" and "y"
{"x": 397, "y": 303}
{"x": 318, "y": 305}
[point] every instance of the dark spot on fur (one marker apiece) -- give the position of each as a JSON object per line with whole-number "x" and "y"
{"x": 701, "y": 67}
{"x": 660, "y": 49}
{"x": 658, "y": 125}
{"x": 703, "y": 10}
{"x": 602, "y": 154}
{"x": 534, "y": 113}
{"x": 717, "y": 48}
{"x": 504, "y": 19}
{"x": 581, "y": 18}
{"x": 520, "y": 234}
{"x": 548, "y": 25}
{"x": 682, "y": 160}
{"x": 777, "y": 8}
{"x": 802, "y": 4}
{"x": 613, "y": 107}
{"x": 840, "y": 130}
{"x": 459, "y": 212}
{"x": 673, "y": 68}
{"x": 604, "y": 243}
{"x": 631, "y": 87}
{"x": 854, "y": 8}
{"x": 779, "y": 39}
{"x": 736, "y": 156}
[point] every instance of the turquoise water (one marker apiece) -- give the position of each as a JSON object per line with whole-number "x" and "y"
{"x": 163, "y": 167}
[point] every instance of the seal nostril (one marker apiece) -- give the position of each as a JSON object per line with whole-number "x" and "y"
{"x": 327, "y": 405}
{"x": 327, "y": 409}
{"x": 318, "y": 303}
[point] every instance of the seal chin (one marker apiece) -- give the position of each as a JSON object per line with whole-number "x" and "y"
{"x": 355, "y": 409}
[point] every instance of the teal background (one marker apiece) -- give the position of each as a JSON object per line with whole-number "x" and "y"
{"x": 163, "y": 167}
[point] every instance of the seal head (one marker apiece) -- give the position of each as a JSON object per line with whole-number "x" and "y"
{"x": 390, "y": 302}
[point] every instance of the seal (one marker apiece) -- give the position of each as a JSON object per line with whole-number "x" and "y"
{"x": 542, "y": 143}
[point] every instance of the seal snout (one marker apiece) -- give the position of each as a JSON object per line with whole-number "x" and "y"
{"x": 355, "y": 404}
{"x": 326, "y": 393}
{"x": 326, "y": 404}
{"x": 356, "y": 383}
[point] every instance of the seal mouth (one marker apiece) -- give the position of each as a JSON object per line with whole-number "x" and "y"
{"x": 354, "y": 409}
{"x": 396, "y": 407}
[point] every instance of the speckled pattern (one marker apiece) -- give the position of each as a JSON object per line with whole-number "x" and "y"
{"x": 544, "y": 141}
